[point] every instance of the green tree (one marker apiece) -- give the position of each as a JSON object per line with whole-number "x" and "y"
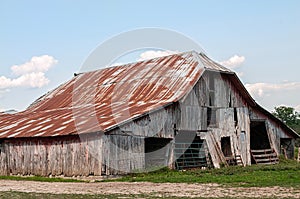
{"x": 290, "y": 117}
{"x": 287, "y": 114}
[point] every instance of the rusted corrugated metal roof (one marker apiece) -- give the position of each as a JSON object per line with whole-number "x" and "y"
{"x": 100, "y": 100}
{"x": 212, "y": 65}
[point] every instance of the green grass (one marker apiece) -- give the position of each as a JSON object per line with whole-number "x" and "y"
{"x": 286, "y": 174}
{"x": 21, "y": 195}
{"x": 38, "y": 178}
{"x": 296, "y": 152}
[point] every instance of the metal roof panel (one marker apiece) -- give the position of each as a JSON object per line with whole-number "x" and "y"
{"x": 102, "y": 99}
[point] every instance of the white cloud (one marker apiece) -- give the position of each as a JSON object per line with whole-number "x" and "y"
{"x": 262, "y": 89}
{"x": 240, "y": 74}
{"x": 31, "y": 74}
{"x": 33, "y": 80}
{"x": 115, "y": 64}
{"x": 297, "y": 108}
{"x": 233, "y": 62}
{"x": 150, "y": 54}
{"x": 36, "y": 64}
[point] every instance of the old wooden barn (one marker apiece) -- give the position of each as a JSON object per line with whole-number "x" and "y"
{"x": 181, "y": 111}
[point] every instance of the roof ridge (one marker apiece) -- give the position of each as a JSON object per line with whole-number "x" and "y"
{"x": 137, "y": 62}
{"x": 212, "y": 64}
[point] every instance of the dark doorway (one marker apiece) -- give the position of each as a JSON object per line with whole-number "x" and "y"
{"x": 259, "y": 138}
{"x": 226, "y": 146}
{"x": 190, "y": 151}
{"x": 156, "y": 152}
{"x": 287, "y": 147}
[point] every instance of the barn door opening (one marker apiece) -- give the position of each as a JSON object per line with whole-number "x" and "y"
{"x": 226, "y": 146}
{"x": 190, "y": 151}
{"x": 259, "y": 138}
{"x": 226, "y": 149}
{"x": 156, "y": 152}
{"x": 287, "y": 147}
{"x": 261, "y": 151}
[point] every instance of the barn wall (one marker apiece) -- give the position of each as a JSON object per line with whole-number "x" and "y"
{"x": 69, "y": 156}
{"x": 123, "y": 154}
{"x": 155, "y": 124}
{"x": 275, "y": 131}
{"x": 72, "y": 155}
{"x": 224, "y": 91}
{"x": 243, "y": 134}
{"x": 3, "y": 159}
{"x": 158, "y": 124}
{"x": 120, "y": 151}
{"x": 216, "y": 91}
{"x": 124, "y": 147}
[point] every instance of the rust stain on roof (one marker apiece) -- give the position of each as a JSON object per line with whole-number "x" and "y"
{"x": 100, "y": 100}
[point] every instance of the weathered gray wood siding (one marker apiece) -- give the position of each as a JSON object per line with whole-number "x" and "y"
{"x": 216, "y": 91}
{"x": 159, "y": 123}
{"x": 72, "y": 155}
{"x": 243, "y": 134}
{"x": 3, "y": 159}
{"x": 123, "y": 154}
{"x": 191, "y": 110}
{"x": 69, "y": 156}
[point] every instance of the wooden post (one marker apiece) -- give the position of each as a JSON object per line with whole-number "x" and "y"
{"x": 298, "y": 159}
{"x": 284, "y": 153}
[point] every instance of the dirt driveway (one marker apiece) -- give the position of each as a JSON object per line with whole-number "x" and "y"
{"x": 158, "y": 189}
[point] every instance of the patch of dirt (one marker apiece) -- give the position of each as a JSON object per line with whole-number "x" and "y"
{"x": 156, "y": 189}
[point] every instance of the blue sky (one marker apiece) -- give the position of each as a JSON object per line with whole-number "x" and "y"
{"x": 265, "y": 33}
